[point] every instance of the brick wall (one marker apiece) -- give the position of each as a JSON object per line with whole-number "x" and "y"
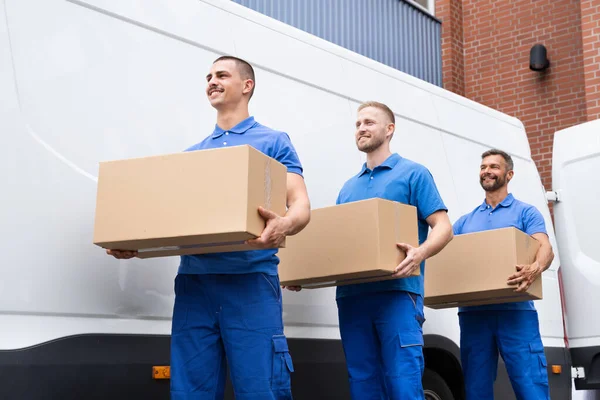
{"x": 590, "y": 27}
{"x": 497, "y": 38}
{"x": 453, "y": 74}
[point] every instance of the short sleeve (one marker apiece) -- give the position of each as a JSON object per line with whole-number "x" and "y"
{"x": 424, "y": 194}
{"x": 285, "y": 153}
{"x": 533, "y": 221}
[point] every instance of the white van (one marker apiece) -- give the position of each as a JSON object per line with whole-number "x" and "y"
{"x": 576, "y": 160}
{"x": 83, "y": 81}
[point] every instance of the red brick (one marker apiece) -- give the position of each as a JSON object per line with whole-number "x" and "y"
{"x": 489, "y": 62}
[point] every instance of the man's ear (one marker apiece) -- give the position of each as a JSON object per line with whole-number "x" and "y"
{"x": 509, "y": 175}
{"x": 390, "y": 129}
{"x": 248, "y": 86}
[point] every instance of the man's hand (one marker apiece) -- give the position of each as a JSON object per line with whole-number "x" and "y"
{"x": 276, "y": 229}
{"x": 414, "y": 257}
{"x": 525, "y": 276}
{"x": 292, "y": 288}
{"x": 122, "y": 254}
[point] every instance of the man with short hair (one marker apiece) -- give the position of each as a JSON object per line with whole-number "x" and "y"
{"x": 381, "y": 322}
{"x": 228, "y": 306}
{"x": 511, "y": 329}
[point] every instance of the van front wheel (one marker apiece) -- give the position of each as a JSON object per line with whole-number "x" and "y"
{"x": 435, "y": 387}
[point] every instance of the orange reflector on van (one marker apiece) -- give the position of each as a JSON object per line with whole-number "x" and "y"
{"x": 556, "y": 369}
{"x": 161, "y": 372}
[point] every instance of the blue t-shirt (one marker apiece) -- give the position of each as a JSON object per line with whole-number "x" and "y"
{"x": 404, "y": 181}
{"x": 509, "y": 213}
{"x": 272, "y": 143}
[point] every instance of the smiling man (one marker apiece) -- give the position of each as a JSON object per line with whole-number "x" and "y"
{"x": 381, "y": 322}
{"x": 228, "y": 306}
{"x": 511, "y": 329}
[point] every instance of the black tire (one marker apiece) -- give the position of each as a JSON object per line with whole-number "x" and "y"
{"x": 435, "y": 386}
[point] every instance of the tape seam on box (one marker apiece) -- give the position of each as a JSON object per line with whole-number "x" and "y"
{"x": 268, "y": 184}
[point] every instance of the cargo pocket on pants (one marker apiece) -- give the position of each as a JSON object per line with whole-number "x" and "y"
{"x": 538, "y": 362}
{"x": 408, "y": 359}
{"x": 410, "y": 338}
{"x": 282, "y": 363}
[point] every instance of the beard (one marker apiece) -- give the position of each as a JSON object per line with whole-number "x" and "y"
{"x": 370, "y": 145}
{"x": 498, "y": 182}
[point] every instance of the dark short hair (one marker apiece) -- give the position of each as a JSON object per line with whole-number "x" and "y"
{"x": 381, "y": 106}
{"x": 507, "y": 158}
{"x": 244, "y": 68}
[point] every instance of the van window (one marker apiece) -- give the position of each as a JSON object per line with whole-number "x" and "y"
{"x": 581, "y": 185}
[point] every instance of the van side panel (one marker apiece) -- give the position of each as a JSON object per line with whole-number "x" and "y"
{"x": 85, "y": 81}
{"x": 576, "y": 160}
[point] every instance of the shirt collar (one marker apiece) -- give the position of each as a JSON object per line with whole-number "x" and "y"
{"x": 389, "y": 163}
{"x": 508, "y": 200}
{"x": 240, "y": 128}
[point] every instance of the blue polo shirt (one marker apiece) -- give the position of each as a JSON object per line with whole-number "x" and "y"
{"x": 404, "y": 181}
{"x": 509, "y": 213}
{"x": 274, "y": 144}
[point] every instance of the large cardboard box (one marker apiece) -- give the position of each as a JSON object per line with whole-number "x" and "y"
{"x": 187, "y": 203}
{"x": 473, "y": 269}
{"x": 349, "y": 243}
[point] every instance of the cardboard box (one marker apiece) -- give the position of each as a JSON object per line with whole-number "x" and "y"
{"x": 473, "y": 269}
{"x": 187, "y": 203}
{"x": 349, "y": 243}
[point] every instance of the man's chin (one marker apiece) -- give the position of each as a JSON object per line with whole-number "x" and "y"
{"x": 490, "y": 188}
{"x": 216, "y": 103}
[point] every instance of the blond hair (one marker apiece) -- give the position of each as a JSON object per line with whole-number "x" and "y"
{"x": 380, "y": 106}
